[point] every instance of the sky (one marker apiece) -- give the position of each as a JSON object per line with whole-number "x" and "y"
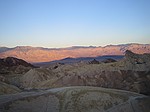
{"x": 65, "y": 23}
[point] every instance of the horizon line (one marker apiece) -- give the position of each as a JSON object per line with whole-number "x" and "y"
{"x": 75, "y": 46}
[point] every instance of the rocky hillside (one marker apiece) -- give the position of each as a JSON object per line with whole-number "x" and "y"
{"x": 38, "y": 54}
{"x": 11, "y": 61}
{"x": 81, "y": 86}
{"x": 75, "y": 99}
{"x": 131, "y": 73}
{"x": 11, "y": 65}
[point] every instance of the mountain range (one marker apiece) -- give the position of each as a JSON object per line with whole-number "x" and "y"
{"x": 40, "y": 54}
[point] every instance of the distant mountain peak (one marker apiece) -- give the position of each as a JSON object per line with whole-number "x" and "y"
{"x": 24, "y": 47}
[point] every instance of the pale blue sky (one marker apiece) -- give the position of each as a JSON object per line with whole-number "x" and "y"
{"x": 63, "y": 23}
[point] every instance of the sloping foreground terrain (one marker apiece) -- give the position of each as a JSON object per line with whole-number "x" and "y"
{"x": 75, "y": 99}
{"x": 8, "y": 89}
